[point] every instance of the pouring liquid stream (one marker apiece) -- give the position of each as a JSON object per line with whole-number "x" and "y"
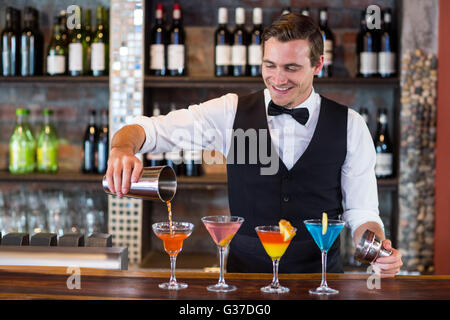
{"x": 169, "y": 209}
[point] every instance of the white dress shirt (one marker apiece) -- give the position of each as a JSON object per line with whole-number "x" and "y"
{"x": 209, "y": 125}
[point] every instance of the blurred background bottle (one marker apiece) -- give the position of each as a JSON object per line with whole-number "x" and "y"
{"x": 47, "y": 145}
{"x": 57, "y": 51}
{"x": 102, "y": 144}
{"x": 22, "y": 145}
{"x": 99, "y": 46}
{"x": 158, "y": 42}
{"x": 222, "y": 45}
{"x": 176, "y": 49}
{"x": 10, "y": 44}
{"x": 77, "y": 48}
{"x": 255, "y": 48}
{"x": 90, "y": 137}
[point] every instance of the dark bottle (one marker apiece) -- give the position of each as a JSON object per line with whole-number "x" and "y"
{"x": 305, "y": 12}
{"x": 66, "y": 33}
{"x": 10, "y": 45}
{"x": 222, "y": 43}
{"x": 57, "y": 52}
{"x": 255, "y": 46}
{"x": 328, "y": 44}
{"x": 28, "y": 44}
{"x": 99, "y": 46}
{"x": 39, "y": 45}
{"x": 155, "y": 159}
{"x": 192, "y": 163}
{"x": 367, "y": 49}
{"x": 383, "y": 147}
{"x": 77, "y": 48}
{"x": 158, "y": 44}
{"x": 388, "y": 47}
{"x": 176, "y": 50}
{"x": 90, "y": 138}
{"x": 102, "y": 144}
{"x": 239, "y": 45}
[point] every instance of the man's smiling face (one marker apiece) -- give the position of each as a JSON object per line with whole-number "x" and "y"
{"x": 287, "y": 71}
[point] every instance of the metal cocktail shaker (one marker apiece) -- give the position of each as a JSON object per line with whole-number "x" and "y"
{"x": 155, "y": 183}
{"x": 370, "y": 248}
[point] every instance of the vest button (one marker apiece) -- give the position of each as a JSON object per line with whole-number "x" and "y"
{"x": 286, "y": 198}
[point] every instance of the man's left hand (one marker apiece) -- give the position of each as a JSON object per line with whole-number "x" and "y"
{"x": 388, "y": 267}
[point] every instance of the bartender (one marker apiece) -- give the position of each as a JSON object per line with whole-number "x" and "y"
{"x": 322, "y": 153}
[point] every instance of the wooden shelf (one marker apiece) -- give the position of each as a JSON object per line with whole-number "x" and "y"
{"x": 42, "y": 81}
{"x": 64, "y": 177}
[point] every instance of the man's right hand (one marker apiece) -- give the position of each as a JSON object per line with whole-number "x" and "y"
{"x": 123, "y": 169}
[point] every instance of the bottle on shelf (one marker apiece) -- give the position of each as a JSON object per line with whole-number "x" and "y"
{"x": 222, "y": 43}
{"x": 328, "y": 44}
{"x": 367, "y": 49}
{"x": 39, "y": 45}
{"x": 66, "y": 33}
{"x": 57, "y": 52}
{"x": 158, "y": 44}
{"x": 176, "y": 50}
{"x": 174, "y": 158}
{"x": 383, "y": 146}
{"x": 239, "y": 45}
{"x": 90, "y": 138}
{"x": 88, "y": 36}
{"x": 193, "y": 163}
{"x": 47, "y": 145}
{"x": 365, "y": 115}
{"x": 10, "y": 44}
{"x": 388, "y": 43}
{"x": 305, "y": 12}
{"x": 156, "y": 159}
{"x": 99, "y": 46}
{"x": 77, "y": 48}
{"x": 28, "y": 43}
{"x": 22, "y": 145}
{"x": 255, "y": 46}
{"x": 102, "y": 144}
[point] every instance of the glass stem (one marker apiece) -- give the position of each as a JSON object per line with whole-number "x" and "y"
{"x": 275, "y": 282}
{"x": 324, "y": 269}
{"x": 173, "y": 261}
{"x": 222, "y": 267}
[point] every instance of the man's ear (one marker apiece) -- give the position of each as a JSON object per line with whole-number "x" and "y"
{"x": 319, "y": 65}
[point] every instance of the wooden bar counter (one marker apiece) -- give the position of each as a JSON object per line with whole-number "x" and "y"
{"x": 52, "y": 283}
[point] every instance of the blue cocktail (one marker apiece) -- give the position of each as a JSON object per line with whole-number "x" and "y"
{"x": 324, "y": 234}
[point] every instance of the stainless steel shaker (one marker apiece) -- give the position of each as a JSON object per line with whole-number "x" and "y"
{"x": 155, "y": 183}
{"x": 370, "y": 248}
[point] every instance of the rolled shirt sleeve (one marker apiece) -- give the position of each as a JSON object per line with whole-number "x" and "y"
{"x": 358, "y": 180}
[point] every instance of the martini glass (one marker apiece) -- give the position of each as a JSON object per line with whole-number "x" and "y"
{"x": 273, "y": 242}
{"x": 222, "y": 229}
{"x": 172, "y": 237}
{"x": 324, "y": 241}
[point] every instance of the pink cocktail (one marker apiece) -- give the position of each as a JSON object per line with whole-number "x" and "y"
{"x": 222, "y": 229}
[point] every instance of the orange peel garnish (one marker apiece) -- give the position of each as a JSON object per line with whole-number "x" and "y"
{"x": 286, "y": 229}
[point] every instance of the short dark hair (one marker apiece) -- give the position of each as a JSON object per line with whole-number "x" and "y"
{"x": 294, "y": 26}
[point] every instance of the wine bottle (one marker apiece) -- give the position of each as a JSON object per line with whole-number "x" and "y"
{"x": 77, "y": 48}
{"x": 176, "y": 50}
{"x": 90, "y": 138}
{"x": 102, "y": 144}
{"x": 239, "y": 45}
{"x": 388, "y": 42}
{"x": 39, "y": 44}
{"x": 305, "y": 12}
{"x": 383, "y": 147}
{"x": 366, "y": 49}
{"x": 99, "y": 47}
{"x": 328, "y": 44}
{"x": 57, "y": 52}
{"x": 28, "y": 44}
{"x": 158, "y": 42}
{"x": 156, "y": 159}
{"x": 10, "y": 45}
{"x": 222, "y": 42}
{"x": 47, "y": 145}
{"x": 66, "y": 33}
{"x": 192, "y": 163}
{"x": 255, "y": 47}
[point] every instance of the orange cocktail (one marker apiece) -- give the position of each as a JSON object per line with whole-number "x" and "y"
{"x": 173, "y": 243}
{"x": 273, "y": 242}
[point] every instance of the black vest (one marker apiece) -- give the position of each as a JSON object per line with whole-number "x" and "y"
{"x": 311, "y": 187}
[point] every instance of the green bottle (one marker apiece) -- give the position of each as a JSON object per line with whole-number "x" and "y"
{"x": 47, "y": 145}
{"x": 22, "y": 146}
{"x": 78, "y": 48}
{"x": 100, "y": 46}
{"x": 88, "y": 40}
{"x": 57, "y": 52}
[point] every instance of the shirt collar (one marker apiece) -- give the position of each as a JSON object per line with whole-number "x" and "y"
{"x": 311, "y": 103}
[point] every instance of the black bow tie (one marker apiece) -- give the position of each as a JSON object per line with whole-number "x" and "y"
{"x": 299, "y": 114}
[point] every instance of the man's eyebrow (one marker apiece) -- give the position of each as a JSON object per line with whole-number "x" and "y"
{"x": 285, "y": 65}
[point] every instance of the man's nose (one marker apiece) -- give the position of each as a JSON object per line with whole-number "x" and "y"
{"x": 279, "y": 77}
